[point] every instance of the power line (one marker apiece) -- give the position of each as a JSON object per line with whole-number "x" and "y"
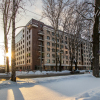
{"x": 33, "y": 12}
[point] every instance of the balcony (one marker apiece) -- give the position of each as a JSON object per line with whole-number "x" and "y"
{"x": 41, "y": 45}
{"x": 41, "y": 51}
{"x": 40, "y": 39}
{"x": 40, "y": 33}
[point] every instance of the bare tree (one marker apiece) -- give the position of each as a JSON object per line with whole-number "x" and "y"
{"x": 10, "y": 9}
{"x": 52, "y": 9}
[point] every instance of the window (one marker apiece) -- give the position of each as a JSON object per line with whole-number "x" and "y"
{"x": 57, "y": 45}
{"x": 62, "y": 46}
{"x": 29, "y": 60}
{"x": 29, "y": 36}
{"x": 66, "y": 47}
{"x": 27, "y": 32}
{"x": 23, "y": 51}
{"x": 66, "y": 52}
{"x": 19, "y": 44}
{"x": 66, "y": 57}
{"x": 66, "y": 62}
{"x": 41, "y": 25}
{"x": 53, "y": 61}
{"x": 57, "y": 40}
{"x": 57, "y": 35}
{"x": 87, "y": 63}
{"x": 53, "y": 55}
{"x": 48, "y": 60}
{"x": 23, "y": 62}
{"x": 53, "y": 50}
{"x": 23, "y": 31}
{"x": 29, "y": 54}
{"x": 23, "y": 56}
{"x": 65, "y": 42}
{"x": 48, "y": 55}
{"x": 23, "y": 46}
{"x": 65, "y": 38}
{"x": 57, "y": 50}
{"x": 19, "y": 48}
{"x": 48, "y": 32}
{"x": 23, "y": 41}
{"x": 48, "y": 49}
{"x": 48, "y": 43}
{"x": 53, "y": 44}
{"x": 48, "y": 37}
{"x": 23, "y": 36}
{"x": 27, "y": 49}
{"x": 53, "y": 39}
{"x": 29, "y": 42}
{"x": 53, "y": 33}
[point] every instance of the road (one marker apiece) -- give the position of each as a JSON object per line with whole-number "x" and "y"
{"x": 3, "y": 78}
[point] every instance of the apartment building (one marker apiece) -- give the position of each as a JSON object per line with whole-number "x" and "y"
{"x": 35, "y": 48}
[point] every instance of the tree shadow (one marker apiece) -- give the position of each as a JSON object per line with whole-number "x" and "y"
{"x": 15, "y": 90}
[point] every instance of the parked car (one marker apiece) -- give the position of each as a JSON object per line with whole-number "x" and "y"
{"x": 75, "y": 72}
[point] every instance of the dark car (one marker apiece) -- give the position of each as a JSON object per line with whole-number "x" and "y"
{"x": 75, "y": 72}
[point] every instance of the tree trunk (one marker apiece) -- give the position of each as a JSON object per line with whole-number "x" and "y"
{"x": 56, "y": 49}
{"x": 13, "y": 76}
{"x": 96, "y": 42}
{"x": 6, "y": 49}
{"x": 60, "y": 61}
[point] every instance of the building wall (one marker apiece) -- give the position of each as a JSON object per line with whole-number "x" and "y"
{"x": 37, "y": 42}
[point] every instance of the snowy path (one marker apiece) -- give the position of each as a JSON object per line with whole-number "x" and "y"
{"x": 75, "y": 87}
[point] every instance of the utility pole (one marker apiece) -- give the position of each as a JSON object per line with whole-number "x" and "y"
{"x": 13, "y": 76}
{"x": 96, "y": 40}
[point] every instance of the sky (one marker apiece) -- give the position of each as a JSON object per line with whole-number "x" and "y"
{"x": 34, "y": 11}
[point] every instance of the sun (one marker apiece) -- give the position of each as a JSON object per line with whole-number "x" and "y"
{"x": 8, "y": 54}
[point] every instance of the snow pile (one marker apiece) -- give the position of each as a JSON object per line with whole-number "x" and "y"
{"x": 18, "y": 73}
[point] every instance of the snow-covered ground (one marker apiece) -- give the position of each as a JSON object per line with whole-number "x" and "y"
{"x": 25, "y": 73}
{"x": 74, "y": 87}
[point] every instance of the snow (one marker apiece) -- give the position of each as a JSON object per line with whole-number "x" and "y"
{"x": 18, "y": 73}
{"x": 71, "y": 87}
{"x": 25, "y": 73}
